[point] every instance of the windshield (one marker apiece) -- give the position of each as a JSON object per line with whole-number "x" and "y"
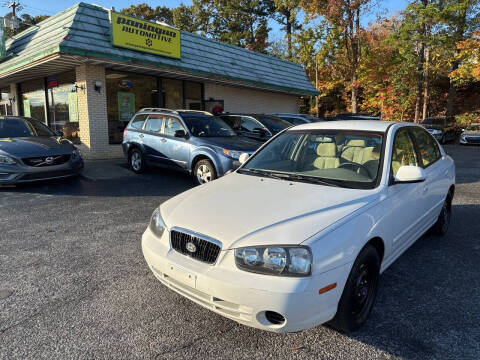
{"x": 430, "y": 121}
{"x": 16, "y": 127}
{"x": 208, "y": 126}
{"x": 274, "y": 124}
{"x": 334, "y": 157}
{"x": 473, "y": 128}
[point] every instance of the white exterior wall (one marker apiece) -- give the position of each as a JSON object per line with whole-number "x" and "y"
{"x": 251, "y": 101}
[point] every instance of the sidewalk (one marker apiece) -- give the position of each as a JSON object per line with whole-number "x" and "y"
{"x": 106, "y": 169}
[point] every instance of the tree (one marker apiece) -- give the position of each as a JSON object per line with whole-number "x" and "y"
{"x": 26, "y": 21}
{"x": 344, "y": 14}
{"x": 237, "y": 22}
{"x": 183, "y": 18}
{"x": 468, "y": 56}
{"x": 145, "y": 11}
{"x": 460, "y": 18}
{"x": 286, "y": 14}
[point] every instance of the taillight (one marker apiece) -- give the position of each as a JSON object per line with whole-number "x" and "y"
{"x": 125, "y": 132}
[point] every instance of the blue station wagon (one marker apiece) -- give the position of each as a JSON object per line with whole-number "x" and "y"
{"x": 194, "y": 141}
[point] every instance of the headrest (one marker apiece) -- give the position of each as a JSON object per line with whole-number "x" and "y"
{"x": 356, "y": 142}
{"x": 327, "y": 149}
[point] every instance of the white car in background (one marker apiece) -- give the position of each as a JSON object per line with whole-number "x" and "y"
{"x": 300, "y": 233}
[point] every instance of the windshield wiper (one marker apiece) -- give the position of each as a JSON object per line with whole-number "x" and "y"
{"x": 308, "y": 179}
{"x": 261, "y": 173}
{"x": 291, "y": 177}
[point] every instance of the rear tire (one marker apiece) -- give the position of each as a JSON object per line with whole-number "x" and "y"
{"x": 204, "y": 172}
{"x": 136, "y": 160}
{"x": 359, "y": 293}
{"x": 440, "y": 228}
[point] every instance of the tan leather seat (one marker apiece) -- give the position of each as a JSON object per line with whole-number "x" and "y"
{"x": 327, "y": 156}
{"x": 355, "y": 151}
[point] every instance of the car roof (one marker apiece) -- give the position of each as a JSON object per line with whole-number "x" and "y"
{"x": 359, "y": 125}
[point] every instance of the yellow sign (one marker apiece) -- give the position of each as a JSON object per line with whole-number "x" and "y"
{"x": 140, "y": 35}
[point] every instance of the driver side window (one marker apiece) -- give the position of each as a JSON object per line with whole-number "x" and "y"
{"x": 403, "y": 152}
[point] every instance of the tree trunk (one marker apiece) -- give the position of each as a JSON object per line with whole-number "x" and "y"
{"x": 459, "y": 36}
{"x": 316, "y": 87}
{"x": 420, "y": 74}
{"x": 426, "y": 93}
{"x": 289, "y": 39}
{"x": 355, "y": 50}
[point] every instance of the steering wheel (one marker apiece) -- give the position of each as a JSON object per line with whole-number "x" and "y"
{"x": 357, "y": 165}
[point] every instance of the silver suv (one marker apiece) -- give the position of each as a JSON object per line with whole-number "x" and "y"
{"x": 194, "y": 141}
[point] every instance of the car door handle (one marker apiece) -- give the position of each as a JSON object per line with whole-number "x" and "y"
{"x": 140, "y": 136}
{"x": 163, "y": 140}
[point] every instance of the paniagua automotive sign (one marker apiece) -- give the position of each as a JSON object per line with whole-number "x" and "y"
{"x": 132, "y": 33}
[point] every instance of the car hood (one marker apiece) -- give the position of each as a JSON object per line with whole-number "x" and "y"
{"x": 243, "y": 210}
{"x": 35, "y": 146}
{"x": 239, "y": 143}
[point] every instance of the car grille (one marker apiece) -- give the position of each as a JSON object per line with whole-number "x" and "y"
{"x": 204, "y": 250}
{"x": 473, "y": 140}
{"x": 42, "y": 161}
{"x": 46, "y": 175}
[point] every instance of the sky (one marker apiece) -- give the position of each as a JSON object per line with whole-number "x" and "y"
{"x": 35, "y": 7}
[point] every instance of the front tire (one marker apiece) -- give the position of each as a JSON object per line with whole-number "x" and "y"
{"x": 204, "y": 171}
{"x": 359, "y": 293}
{"x": 440, "y": 228}
{"x": 136, "y": 161}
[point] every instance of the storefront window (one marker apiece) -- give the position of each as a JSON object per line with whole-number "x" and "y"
{"x": 173, "y": 93}
{"x": 193, "y": 95}
{"x": 64, "y": 111}
{"x": 126, "y": 94}
{"x": 34, "y": 105}
{"x": 5, "y": 104}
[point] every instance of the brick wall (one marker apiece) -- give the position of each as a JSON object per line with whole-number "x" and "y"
{"x": 92, "y": 109}
{"x": 252, "y": 101}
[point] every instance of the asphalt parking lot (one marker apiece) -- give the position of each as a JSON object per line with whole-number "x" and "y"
{"x": 74, "y": 285}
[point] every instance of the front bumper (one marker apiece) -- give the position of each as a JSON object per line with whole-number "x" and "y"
{"x": 242, "y": 296}
{"x": 470, "y": 140}
{"x": 19, "y": 173}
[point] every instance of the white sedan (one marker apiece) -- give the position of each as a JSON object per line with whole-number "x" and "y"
{"x": 300, "y": 233}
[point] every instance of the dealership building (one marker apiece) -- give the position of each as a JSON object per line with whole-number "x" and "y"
{"x": 87, "y": 70}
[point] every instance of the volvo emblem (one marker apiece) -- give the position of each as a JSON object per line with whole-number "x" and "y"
{"x": 49, "y": 160}
{"x": 190, "y": 247}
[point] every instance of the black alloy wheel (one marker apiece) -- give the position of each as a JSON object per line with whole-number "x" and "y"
{"x": 359, "y": 293}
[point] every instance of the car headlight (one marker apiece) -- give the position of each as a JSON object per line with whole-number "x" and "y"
{"x": 234, "y": 154}
{"x": 435, "y": 132}
{"x": 275, "y": 260}
{"x": 76, "y": 154}
{"x": 7, "y": 160}
{"x": 156, "y": 223}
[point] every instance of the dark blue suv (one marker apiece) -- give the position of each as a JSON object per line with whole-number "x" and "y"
{"x": 195, "y": 141}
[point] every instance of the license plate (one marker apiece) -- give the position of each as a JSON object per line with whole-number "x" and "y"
{"x": 182, "y": 275}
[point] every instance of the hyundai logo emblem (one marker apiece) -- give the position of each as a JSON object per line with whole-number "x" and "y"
{"x": 49, "y": 160}
{"x": 190, "y": 247}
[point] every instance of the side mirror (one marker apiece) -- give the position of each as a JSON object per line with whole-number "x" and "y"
{"x": 180, "y": 134}
{"x": 260, "y": 131}
{"x": 59, "y": 133}
{"x": 409, "y": 174}
{"x": 243, "y": 158}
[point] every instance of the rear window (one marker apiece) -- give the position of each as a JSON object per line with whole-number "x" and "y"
{"x": 137, "y": 122}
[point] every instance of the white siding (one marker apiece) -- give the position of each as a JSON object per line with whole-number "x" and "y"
{"x": 251, "y": 101}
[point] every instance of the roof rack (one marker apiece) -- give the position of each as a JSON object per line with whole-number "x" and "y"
{"x": 194, "y": 111}
{"x": 152, "y": 109}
